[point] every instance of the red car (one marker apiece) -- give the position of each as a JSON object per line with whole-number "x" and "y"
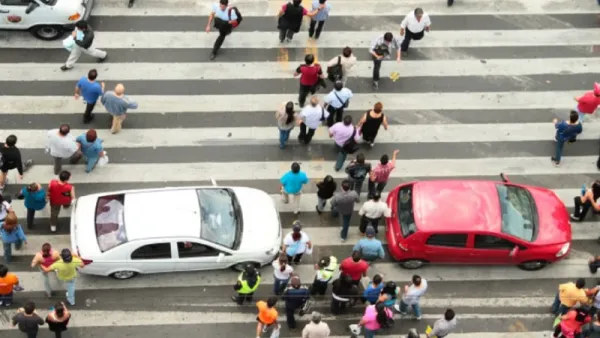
{"x": 477, "y": 222}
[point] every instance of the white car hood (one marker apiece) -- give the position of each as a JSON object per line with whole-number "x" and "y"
{"x": 262, "y": 229}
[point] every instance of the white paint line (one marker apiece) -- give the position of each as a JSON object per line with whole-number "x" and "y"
{"x": 270, "y": 102}
{"x": 277, "y": 70}
{"x": 362, "y": 39}
{"x": 564, "y": 270}
{"x": 35, "y": 242}
{"x": 241, "y": 171}
{"x": 89, "y": 318}
{"x": 348, "y": 8}
{"x": 428, "y": 133}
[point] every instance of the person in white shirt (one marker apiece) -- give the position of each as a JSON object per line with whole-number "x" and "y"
{"x": 412, "y": 297}
{"x": 310, "y": 119}
{"x": 413, "y": 27}
{"x": 61, "y": 145}
{"x": 282, "y": 272}
{"x": 336, "y": 101}
{"x": 346, "y": 62}
{"x": 371, "y": 213}
{"x": 296, "y": 244}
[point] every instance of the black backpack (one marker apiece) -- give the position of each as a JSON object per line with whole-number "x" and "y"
{"x": 335, "y": 72}
{"x": 238, "y": 14}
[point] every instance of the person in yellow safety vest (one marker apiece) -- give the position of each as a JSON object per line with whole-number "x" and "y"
{"x": 325, "y": 270}
{"x": 246, "y": 285}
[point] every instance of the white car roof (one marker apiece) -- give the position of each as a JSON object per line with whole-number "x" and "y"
{"x": 162, "y": 214}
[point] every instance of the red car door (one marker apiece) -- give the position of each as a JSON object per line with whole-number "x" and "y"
{"x": 446, "y": 248}
{"x": 492, "y": 249}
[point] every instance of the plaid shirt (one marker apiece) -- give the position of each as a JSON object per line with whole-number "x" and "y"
{"x": 382, "y": 172}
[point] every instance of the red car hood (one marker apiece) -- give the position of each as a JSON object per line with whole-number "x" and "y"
{"x": 553, "y": 216}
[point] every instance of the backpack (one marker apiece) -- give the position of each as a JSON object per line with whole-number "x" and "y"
{"x": 358, "y": 172}
{"x": 335, "y": 72}
{"x": 238, "y": 14}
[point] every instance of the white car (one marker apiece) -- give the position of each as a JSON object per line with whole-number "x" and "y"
{"x": 45, "y": 19}
{"x": 126, "y": 233}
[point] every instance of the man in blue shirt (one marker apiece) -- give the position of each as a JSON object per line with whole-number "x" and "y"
{"x": 291, "y": 184}
{"x": 336, "y": 101}
{"x": 370, "y": 247}
{"x": 225, "y": 19}
{"x": 318, "y": 21}
{"x": 91, "y": 91}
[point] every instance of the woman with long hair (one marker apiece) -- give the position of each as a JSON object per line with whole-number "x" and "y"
{"x": 376, "y": 317}
{"x": 46, "y": 257}
{"x": 286, "y": 120}
{"x": 282, "y": 272}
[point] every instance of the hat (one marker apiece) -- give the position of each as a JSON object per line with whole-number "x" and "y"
{"x": 597, "y": 88}
{"x": 66, "y": 255}
{"x": 370, "y": 231}
{"x": 296, "y": 226}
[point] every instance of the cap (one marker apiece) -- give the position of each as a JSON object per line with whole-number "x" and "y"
{"x": 66, "y": 255}
{"x": 296, "y": 226}
{"x": 370, "y": 231}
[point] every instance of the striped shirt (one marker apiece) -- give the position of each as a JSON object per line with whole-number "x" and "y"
{"x": 382, "y": 172}
{"x": 395, "y": 43}
{"x": 323, "y": 14}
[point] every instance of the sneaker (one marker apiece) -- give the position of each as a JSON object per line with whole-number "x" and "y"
{"x": 343, "y": 240}
{"x": 288, "y": 40}
{"x": 318, "y": 211}
{"x": 265, "y": 328}
{"x": 556, "y": 164}
{"x": 296, "y": 212}
{"x": 375, "y": 84}
{"x": 418, "y": 318}
{"x": 53, "y": 228}
{"x": 65, "y": 68}
{"x": 28, "y": 164}
{"x": 213, "y": 56}
{"x": 100, "y": 60}
{"x": 575, "y": 218}
{"x": 372, "y": 144}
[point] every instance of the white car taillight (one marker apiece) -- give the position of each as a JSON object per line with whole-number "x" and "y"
{"x": 563, "y": 251}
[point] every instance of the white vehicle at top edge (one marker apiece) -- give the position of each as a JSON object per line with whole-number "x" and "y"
{"x": 126, "y": 233}
{"x": 44, "y": 19}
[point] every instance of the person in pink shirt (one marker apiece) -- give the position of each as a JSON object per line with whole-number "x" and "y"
{"x": 376, "y": 317}
{"x": 345, "y": 136}
{"x": 379, "y": 176}
{"x": 588, "y": 103}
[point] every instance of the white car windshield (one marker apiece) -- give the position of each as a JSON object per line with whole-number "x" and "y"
{"x": 220, "y": 217}
{"x": 518, "y": 212}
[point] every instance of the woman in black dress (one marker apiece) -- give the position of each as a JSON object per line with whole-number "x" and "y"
{"x": 370, "y": 122}
{"x": 58, "y": 319}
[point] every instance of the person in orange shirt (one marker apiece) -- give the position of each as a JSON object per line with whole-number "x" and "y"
{"x": 8, "y": 281}
{"x": 267, "y": 316}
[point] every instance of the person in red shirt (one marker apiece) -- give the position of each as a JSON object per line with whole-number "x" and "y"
{"x": 311, "y": 76}
{"x": 60, "y": 194}
{"x": 355, "y": 267}
{"x": 588, "y": 103}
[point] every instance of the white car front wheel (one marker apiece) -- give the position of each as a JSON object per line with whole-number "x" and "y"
{"x": 123, "y": 274}
{"x": 47, "y": 32}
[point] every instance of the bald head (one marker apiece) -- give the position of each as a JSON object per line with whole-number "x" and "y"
{"x": 120, "y": 89}
{"x": 314, "y": 101}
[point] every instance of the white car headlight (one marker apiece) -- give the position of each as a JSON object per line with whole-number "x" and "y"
{"x": 563, "y": 251}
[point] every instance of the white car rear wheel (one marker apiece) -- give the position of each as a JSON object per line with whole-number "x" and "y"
{"x": 47, "y": 32}
{"x": 123, "y": 274}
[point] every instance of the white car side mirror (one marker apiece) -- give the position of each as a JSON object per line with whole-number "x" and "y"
{"x": 213, "y": 182}
{"x": 220, "y": 257}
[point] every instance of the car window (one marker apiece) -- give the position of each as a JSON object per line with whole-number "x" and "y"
{"x": 519, "y": 215}
{"x": 492, "y": 242}
{"x": 15, "y": 2}
{"x": 191, "y": 249}
{"x": 110, "y": 222}
{"x": 153, "y": 251}
{"x": 220, "y": 222}
{"x": 406, "y": 217}
{"x": 448, "y": 240}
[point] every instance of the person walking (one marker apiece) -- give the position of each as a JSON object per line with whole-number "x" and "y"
{"x": 371, "y": 213}
{"x": 336, "y": 101}
{"x": 373, "y": 290}
{"x": 46, "y": 257}
{"x": 380, "y": 175}
{"x": 28, "y": 320}
{"x": 247, "y": 283}
{"x": 370, "y": 248}
{"x": 90, "y": 90}
{"x": 381, "y": 49}
{"x": 358, "y": 170}
{"x": 12, "y": 233}
{"x": 58, "y": 319}
{"x": 267, "y": 316}
{"x": 292, "y": 183}
{"x": 295, "y": 297}
{"x": 355, "y": 267}
{"x": 318, "y": 21}
{"x": 325, "y": 190}
{"x": 370, "y": 123}
{"x": 10, "y": 158}
{"x": 286, "y": 120}
{"x": 568, "y": 295}
{"x": 66, "y": 271}
{"x": 341, "y": 66}
{"x": 225, "y": 19}
{"x": 345, "y": 138}
{"x": 325, "y": 268}
{"x": 375, "y": 318}
{"x": 296, "y": 244}
{"x": 444, "y": 326}
{"x": 282, "y": 272}
{"x": 290, "y": 19}
{"x": 9, "y": 282}
{"x": 83, "y": 46}
{"x": 91, "y": 147}
{"x": 5, "y": 207}
{"x": 566, "y": 131}
{"x": 61, "y": 145}
{"x": 310, "y": 119}
{"x": 60, "y": 195}
{"x": 588, "y": 102}
{"x": 412, "y": 297}
{"x": 34, "y": 197}
{"x": 342, "y": 204}
{"x": 311, "y": 76}
{"x": 116, "y": 104}
{"x": 316, "y": 328}
{"x": 414, "y": 26}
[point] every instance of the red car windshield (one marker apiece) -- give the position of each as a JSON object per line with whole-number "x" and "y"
{"x": 519, "y": 214}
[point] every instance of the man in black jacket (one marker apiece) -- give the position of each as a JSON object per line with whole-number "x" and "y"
{"x": 83, "y": 46}
{"x": 10, "y": 158}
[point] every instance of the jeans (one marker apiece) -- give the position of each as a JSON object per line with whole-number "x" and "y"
{"x": 560, "y": 144}
{"x": 6, "y": 299}
{"x": 321, "y": 203}
{"x": 70, "y": 286}
{"x": 279, "y": 285}
{"x": 345, "y": 223}
{"x": 369, "y": 333}
{"x": 408, "y": 36}
{"x": 341, "y": 157}
{"x": 416, "y": 308}
{"x": 557, "y": 307}
{"x": 286, "y": 34}
{"x": 580, "y": 114}
{"x": 91, "y": 163}
{"x": 319, "y": 27}
{"x": 47, "y": 286}
{"x": 8, "y": 250}
{"x": 357, "y": 185}
{"x": 376, "y": 68}
{"x": 284, "y": 136}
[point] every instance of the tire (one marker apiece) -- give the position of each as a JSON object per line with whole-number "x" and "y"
{"x": 413, "y": 264}
{"x": 123, "y": 275}
{"x": 47, "y": 32}
{"x": 239, "y": 267}
{"x": 533, "y": 265}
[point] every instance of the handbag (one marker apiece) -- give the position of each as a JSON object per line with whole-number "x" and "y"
{"x": 335, "y": 72}
{"x": 344, "y": 104}
{"x": 350, "y": 146}
{"x": 103, "y": 160}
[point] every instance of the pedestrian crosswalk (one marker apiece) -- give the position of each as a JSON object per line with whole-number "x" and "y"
{"x": 475, "y": 97}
